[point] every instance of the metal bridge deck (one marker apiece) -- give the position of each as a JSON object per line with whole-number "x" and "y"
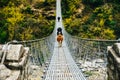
{"x": 62, "y": 66}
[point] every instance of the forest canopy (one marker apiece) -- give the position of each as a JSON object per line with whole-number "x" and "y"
{"x": 26, "y": 19}
{"x": 33, "y": 19}
{"x": 95, "y": 19}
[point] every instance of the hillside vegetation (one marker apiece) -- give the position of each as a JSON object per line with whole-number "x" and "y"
{"x": 33, "y": 19}
{"x": 26, "y": 19}
{"x": 95, "y": 19}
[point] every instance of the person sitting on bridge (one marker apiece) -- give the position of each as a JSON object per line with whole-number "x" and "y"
{"x": 58, "y": 19}
{"x": 59, "y": 39}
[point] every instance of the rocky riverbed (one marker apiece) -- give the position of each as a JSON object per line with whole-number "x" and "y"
{"x": 94, "y": 70}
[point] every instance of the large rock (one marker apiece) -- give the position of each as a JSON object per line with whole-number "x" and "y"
{"x": 1, "y": 52}
{"x": 14, "y": 66}
{"x": 4, "y": 72}
{"x": 113, "y": 66}
{"x": 22, "y": 62}
{"x": 15, "y": 52}
{"x": 7, "y": 74}
{"x": 116, "y": 48}
{"x": 14, "y": 75}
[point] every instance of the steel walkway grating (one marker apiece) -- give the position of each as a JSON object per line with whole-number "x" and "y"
{"x": 62, "y": 66}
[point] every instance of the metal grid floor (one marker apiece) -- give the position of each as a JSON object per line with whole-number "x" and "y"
{"x": 62, "y": 66}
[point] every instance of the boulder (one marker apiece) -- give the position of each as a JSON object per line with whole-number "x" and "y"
{"x": 22, "y": 62}
{"x": 1, "y": 54}
{"x": 15, "y": 52}
{"x": 113, "y": 66}
{"x": 116, "y": 48}
{"x": 4, "y": 72}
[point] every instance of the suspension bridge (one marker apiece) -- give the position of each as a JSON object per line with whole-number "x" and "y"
{"x": 60, "y": 63}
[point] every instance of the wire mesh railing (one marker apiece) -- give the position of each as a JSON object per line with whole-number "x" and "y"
{"x": 40, "y": 49}
{"x": 89, "y": 53}
{"x": 87, "y": 48}
{"x": 40, "y": 52}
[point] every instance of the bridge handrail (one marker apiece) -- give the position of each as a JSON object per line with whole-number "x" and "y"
{"x": 100, "y": 40}
{"x": 40, "y": 49}
{"x": 79, "y": 46}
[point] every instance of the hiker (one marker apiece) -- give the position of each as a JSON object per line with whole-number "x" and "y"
{"x": 59, "y": 33}
{"x": 59, "y": 39}
{"x": 58, "y": 19}
{"x": 59, "y": 29}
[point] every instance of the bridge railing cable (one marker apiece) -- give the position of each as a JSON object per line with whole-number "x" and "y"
{"x": 40, "y": 52}
{"x": 83, "y": 50}
{"x": 87, "y": 48}
{"x": 40, "y": 49}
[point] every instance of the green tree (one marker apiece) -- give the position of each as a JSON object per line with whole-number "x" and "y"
{"x": 93, "y": 3}
{"x": 13, "y": 16}
{"x": 69, "y": 7}
{"x": 26, "y": 34}
{"x": 3, "y": 28}
{"x": 21, "y": 20}
{"x": 4, "y": 3}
